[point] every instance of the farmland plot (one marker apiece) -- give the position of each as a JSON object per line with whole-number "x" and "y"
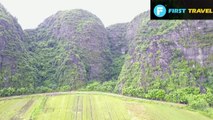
{"x": 90, "y": 106}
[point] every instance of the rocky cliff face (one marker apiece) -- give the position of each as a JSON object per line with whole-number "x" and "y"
{"x": 73, "y": 47}
{"x": 165, "y": 50}
{"x": 84, "y": 40}
{"x": 118, "y": 47}
{"x": 11, "y": 46}
{"x": 116, "y": 36}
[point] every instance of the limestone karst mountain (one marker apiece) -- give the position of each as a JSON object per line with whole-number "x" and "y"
{"x": 11, "y": 47}
{"x": 83, "y": 48}
{"x": 72, "y": 48}
{"x": 167, "y": 55}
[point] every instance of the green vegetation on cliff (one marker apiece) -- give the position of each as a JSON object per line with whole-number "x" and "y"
{"x": 158, "y": 60}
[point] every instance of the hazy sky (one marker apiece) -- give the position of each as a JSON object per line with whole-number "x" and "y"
{"x": 30, "y": 13}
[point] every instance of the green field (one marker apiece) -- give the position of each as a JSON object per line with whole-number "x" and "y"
{"x": 91, "y": 106}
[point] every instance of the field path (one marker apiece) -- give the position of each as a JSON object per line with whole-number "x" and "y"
{"x": 91, "y": 112}
{"x": 22, "y": 111}
{"x": 76, "y": 109}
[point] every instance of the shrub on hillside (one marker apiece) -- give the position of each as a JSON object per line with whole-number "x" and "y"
{"x": 209, "y": 97}
{"x": 93, "y": 86}
{"x": 107, "y": 86}
{"x": 133, "y": 91}
{"x": 65, "y": 88}
{"x": 178, "y": 96}
{"x": 156, "y": 94}
{"x": 21, "y": 91}
{"x": 198, "y": 102}
{"x": 7, "y": 92}
{"x": 43, "y": 89}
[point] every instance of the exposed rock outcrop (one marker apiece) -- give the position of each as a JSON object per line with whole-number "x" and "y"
{"x": 11, "y": 46}
{"x": 84, "y": 38}
{"x": 73, "y": 47}
{"x": 164, "y": 49}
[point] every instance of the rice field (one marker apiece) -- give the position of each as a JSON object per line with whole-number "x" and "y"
{"x": 91, "y": 106}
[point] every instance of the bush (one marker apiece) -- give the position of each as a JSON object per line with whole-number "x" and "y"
{"x": 139, "y": 92}
{"x": 21, "y": 91}
{"x": 209, "y": 97}
{"x": 198, "y": 102}
{"x": 7, "y": 92}
{"x": 65, "y": 88}
{"x": 133, "y": 91}
{"x": 156, "y": 94}
{"x": 43, "y": 89}
{"x": 178, "y": 96}
{"x": 93, "y": 86}
{"x": 108, "y": 86}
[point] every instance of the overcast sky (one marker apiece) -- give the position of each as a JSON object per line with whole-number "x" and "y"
{"x": 30, "y": 13}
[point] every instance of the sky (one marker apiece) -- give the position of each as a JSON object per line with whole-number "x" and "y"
{"x": 30, "y": 13}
